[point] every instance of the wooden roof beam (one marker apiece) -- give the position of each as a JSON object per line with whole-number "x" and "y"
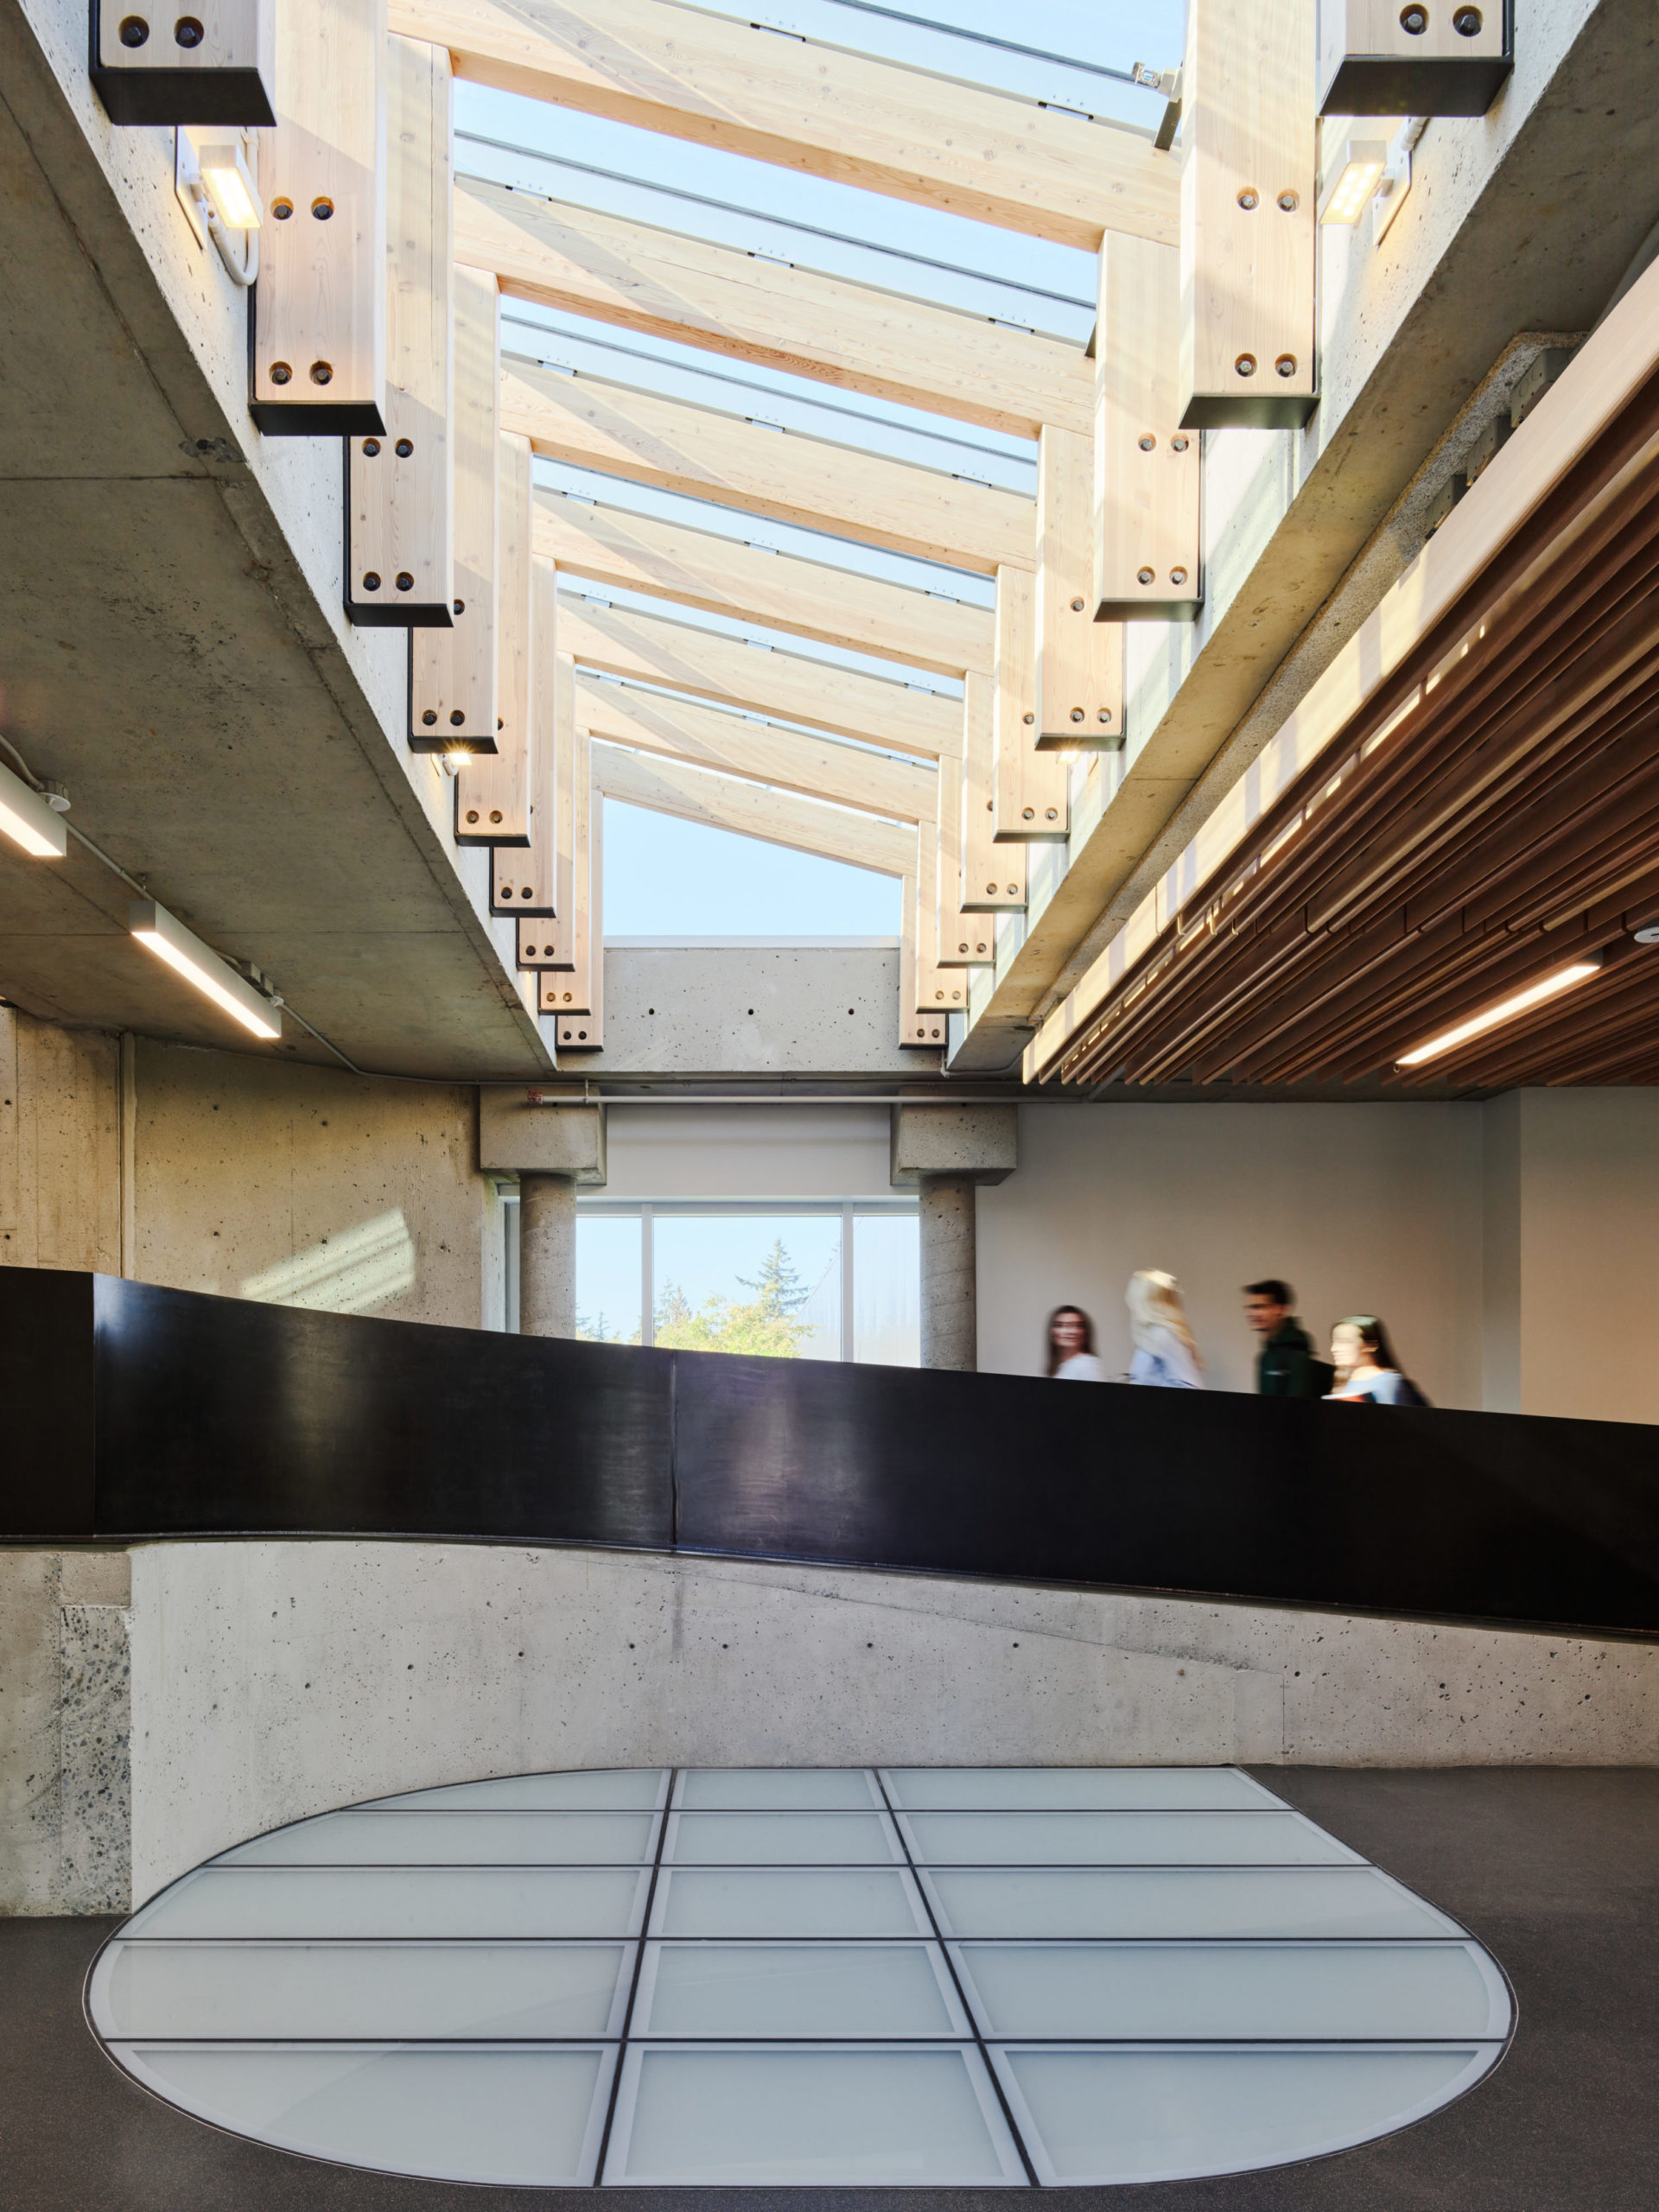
{"x": 639, "y": 277}
{"x": 818, "y": 767}
{"x": 638, "y": 553}
{"x": 709, "y": 454}
{"x": 805, "y": 825}
{"x": 732, "y": 672}
{"x": 848, "y": 117}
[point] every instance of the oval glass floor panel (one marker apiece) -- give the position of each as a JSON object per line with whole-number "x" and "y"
{"x": 916, "y": 1977}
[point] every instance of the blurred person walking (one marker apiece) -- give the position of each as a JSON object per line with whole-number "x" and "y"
{"x": 1165, "y": 1355}
{"x": 1072, "y": 1355}
{"x": 1285, "y": 1366}
{"x": 1368, "y": 1374}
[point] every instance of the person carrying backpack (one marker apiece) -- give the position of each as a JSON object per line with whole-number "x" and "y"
{"x": 1368, "y": 1374}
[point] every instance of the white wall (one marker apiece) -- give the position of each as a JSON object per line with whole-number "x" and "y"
{"x": 748, "y": 1152}
{"x": 1370, "y": 1209}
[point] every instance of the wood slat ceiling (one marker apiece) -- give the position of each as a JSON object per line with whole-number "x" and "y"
{"x": 1493, "y": 815}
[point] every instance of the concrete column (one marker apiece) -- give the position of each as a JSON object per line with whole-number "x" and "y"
{"x": 547, "y": 1255}
{"x": 949, "y": 1302}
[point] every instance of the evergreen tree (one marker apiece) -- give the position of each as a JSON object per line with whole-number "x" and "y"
{"x": 777, "y": 1288}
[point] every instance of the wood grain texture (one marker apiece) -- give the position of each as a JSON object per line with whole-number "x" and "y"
{"x": 694, "y": 567}
{"x": 752, "y": 309}
{"x": 1030, "y": 787}
{"x": 992, "y": 875}
{"x": 658, "y": 650}
{"x": 709, "y": 454}
{"x": 965, "y": 937}
{"x": 1147, "y": 469}
{"x": 398, "y": 501}
{"x": 818, "y": 767}
{"x": 726, "y": 802}
{"x": 320, "y": 305}
{"x": 813, "y": 108}
{"x": 1249, "y": 221}
{"x": 577, "y": 999}
{"x": 453, "y": 672}
{"x": 493, "y": 791}
{"x": 1079, "y": 660}
{"x": 525, "y": 879}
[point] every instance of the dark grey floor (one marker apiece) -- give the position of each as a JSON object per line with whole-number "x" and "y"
{"x": 1556, "y": 1870}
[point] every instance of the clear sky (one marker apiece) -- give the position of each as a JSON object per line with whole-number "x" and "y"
{"x": 668, "y": 878}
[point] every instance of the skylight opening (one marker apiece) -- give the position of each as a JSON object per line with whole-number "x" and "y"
{"x": 743, "y": 528}
{"x": 557, "y": 340}
{"x": 756, "y": 206}
{"x": 632, "y": 688}
{"x": 667, "y": 877}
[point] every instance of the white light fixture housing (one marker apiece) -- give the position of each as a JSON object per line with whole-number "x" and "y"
{"x": 1548, "y": 987}
{"x": 1352, "y": 178}
{"x": 184, "y": 952}
{"x": 225, "y": 171}
{"x": 213, "y": 180}
{"x": 29, "y": 819}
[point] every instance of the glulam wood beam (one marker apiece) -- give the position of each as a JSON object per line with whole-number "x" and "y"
{"x": 616, "y": 430}
{"x": 992, "y": 875}
{"x": 452, "y": 680}
{"x": 966, "y": 937}
{"x": 814, "y": 108}
{"x": 639, "y": 553}
{"x": 493, "y": 791}
{"x": 1148, "y": 469}
{"x": 1031, "y": 786}
{"x": 400, "y": 537}
{"x": 655, "y": 649}
{"x": 668, "y": 285}
{"x": 525, "y": 879}
{"x": 576, "y": 999}
{"x": 1079, "y": 660}
{"x": 1249, "y": 220}
{"x": 777, "y": 817}
{"x": 319, "y": 322}
{"x": 817, "y": 767}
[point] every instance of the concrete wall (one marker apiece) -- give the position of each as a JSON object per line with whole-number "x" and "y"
{"x": 65, "y": 1725}
{"x": 1364, "y": 1208}
{"x": 229, "y": 1173}
{"x": 274, "y": 1679}
{"x": 748, "y": 1151}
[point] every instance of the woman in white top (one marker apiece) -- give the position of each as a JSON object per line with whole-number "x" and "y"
{"x": 1072, "y": 1347}
{"x": 1165, "y": 1353}
{"x": 1368, "y": 1374}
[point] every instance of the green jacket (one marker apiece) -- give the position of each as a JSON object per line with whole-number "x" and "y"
{"x": 1286, "y": 1367}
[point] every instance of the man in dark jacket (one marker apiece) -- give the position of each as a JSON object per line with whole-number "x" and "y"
{"x": 1285, "y": 1366}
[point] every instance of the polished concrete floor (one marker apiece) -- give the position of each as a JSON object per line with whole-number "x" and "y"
{"x": 1557, "y": 1872}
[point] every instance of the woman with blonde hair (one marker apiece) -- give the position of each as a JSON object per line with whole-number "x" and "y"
{"x": 1165, "y": 1355}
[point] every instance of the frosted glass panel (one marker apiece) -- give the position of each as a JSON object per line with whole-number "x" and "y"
{"x": 824, "y": 2115}
{"x": 886, "y": 1290}
{"x": 529, "y": 2117}
{"x": 1121, "y": 1838}
{"x": 411, "y": 1992}
{"x": 1074, "y": 1789}
{"x": 1179, "y": 1901}
{"x": 400, "y": 1901}
{"x": 1104, "y": 2116}
{"x": 713, "y": 1788}
{"x": 1279, "y": 1992}
{"x": 616, "y": 1789}
{"x": 763, "y": 1839}
{"x": 786, "y": 1901}
{"x": 453, "y": 1839}
{"x": 796, "y": 1989}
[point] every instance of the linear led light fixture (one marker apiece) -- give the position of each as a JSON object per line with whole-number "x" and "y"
{"x": 1548, "y": 987}
{"x": 169, "y": 940}
{"x": 28, "y": 818}
{"x": 1352, "y": 179}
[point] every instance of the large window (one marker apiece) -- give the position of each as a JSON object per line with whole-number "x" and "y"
{"x": 805, "y": 1282}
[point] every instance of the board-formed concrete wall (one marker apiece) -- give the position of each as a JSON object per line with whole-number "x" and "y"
{"x": 273, "y": 1680}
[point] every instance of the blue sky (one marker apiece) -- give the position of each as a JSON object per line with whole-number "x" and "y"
{"x": 668, "y": 878}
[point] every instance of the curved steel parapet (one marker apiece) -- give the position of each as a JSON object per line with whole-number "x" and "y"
{"x": 135, "y": 1412}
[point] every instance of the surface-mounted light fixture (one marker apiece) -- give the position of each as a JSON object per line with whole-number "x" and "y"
{"x": 1548, "y": 987}
{"x": 183, "y": 952}
{"x": 224, "y": 170}
{"x": 30, "y": 820}
{"x": 1352, "y": 178}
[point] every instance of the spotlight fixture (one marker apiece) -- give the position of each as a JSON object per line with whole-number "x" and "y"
{"x": 184, "y": 952}
{"x": 224, "y": 171}
{"x": 29, "y": 819}
{"x": 1352, "y": 178}
{"x": 1648, "y": 933}
{"x": 1548, "y": 987}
